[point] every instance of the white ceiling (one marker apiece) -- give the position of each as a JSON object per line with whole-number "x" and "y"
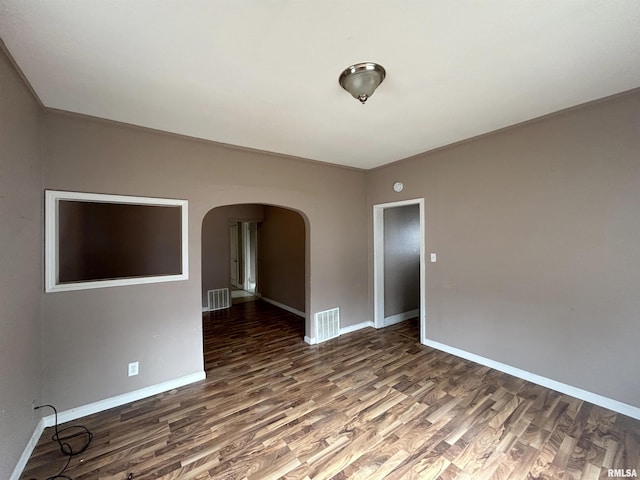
{"x": 263, "y": 73}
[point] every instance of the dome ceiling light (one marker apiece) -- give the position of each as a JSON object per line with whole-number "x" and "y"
{"x": 362, "y": 79}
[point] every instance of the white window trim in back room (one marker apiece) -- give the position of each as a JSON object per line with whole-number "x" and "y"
{"x": 52, "y": 200}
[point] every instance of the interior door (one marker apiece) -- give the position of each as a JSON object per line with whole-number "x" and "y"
{"x": 235, "y": 255}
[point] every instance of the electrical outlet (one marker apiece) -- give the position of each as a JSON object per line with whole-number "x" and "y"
{"x": 133, "y": 368}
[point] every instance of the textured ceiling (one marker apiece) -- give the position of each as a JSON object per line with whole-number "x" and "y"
{"x": 263, "y": 74}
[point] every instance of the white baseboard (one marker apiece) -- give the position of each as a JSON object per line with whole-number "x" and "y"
{"x": 95, "y": 407}
{"x": 401, "y": 317}
{"x": 615, "y": 405}
{"x": 107, "y": 403}
{"x": 285, "y": 307}
{"x": 357, "y": 326}
{"x": 310, "y": 341}
{"x": 28, "y": 450}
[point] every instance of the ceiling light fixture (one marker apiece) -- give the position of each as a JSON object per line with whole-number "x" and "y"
{"x": 362, "y": 79}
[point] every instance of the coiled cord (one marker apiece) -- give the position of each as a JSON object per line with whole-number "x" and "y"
{"x": 63, "y": 441}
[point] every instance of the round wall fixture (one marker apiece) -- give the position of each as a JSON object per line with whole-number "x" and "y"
{"x": 398, "y": 186}
{"x": 361, "y": 79}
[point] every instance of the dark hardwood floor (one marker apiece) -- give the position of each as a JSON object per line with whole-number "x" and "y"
{"x": 372, "y": 404}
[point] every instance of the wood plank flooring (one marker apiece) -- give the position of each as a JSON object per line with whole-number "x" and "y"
{"x": 373, "y": 404}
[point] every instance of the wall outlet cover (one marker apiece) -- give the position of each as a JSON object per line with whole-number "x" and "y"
{"x": 133, "y": 368}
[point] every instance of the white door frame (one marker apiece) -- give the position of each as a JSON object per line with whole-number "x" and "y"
{"x": 378, "y": 262}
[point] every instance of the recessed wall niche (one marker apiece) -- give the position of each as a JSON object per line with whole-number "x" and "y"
{"x": 99, "y": 240}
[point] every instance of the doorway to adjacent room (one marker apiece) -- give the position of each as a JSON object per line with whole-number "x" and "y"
{"x": 243, "y": 249}
{"x": 399, "y": 263}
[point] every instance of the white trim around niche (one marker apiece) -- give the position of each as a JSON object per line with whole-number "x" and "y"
{"x": 52, "y": 200}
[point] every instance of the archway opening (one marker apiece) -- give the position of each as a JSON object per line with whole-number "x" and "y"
{"x": 254, "y": 253}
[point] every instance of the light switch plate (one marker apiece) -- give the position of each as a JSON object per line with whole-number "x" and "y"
{"x": 433, "y": 258}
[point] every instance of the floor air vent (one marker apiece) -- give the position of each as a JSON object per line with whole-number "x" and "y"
{"x": 218, "y": 299}
{"x": 327, "y": 324}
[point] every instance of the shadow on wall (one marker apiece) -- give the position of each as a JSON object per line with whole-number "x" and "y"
{"x": 280, "y": 256}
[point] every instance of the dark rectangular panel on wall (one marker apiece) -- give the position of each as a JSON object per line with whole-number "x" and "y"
{"x": 100, "y": 241}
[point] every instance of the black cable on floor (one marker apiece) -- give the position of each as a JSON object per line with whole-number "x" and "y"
{"x": 62, "y": 437}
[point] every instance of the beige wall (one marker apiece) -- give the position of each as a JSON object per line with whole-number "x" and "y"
{"x": 216, "y": 254}
{"x": 537, "y": 233}
{"x": 93, "y": 334}
{"x": 21, "y": 202}
{"x": 281, "y": 257}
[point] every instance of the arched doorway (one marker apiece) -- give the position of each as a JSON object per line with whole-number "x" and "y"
{"x": 258, "y": 249}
